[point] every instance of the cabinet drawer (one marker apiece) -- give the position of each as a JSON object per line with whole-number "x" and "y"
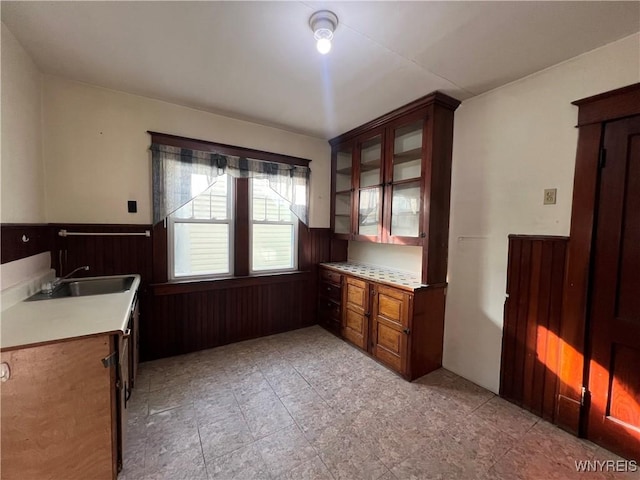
{"x": 329, "y": 309}
{"x": 329, "y": 290}
{"x": 329, "y": 276}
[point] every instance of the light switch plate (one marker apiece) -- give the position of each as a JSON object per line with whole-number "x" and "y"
{"x": 550, "y": 196}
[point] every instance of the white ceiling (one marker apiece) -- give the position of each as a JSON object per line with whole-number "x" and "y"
{"x": 257, "y": 60}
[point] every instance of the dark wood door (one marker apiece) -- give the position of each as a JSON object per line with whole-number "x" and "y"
{"x": 390, "y": 327}
{"x": 614, "y": 364}
{"x": 355, "y": 323}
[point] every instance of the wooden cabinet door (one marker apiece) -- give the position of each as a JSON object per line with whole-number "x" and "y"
{"x": 342, "y": 224}
{"x": 56, "y": 417}
{"x": 390, "y": 327}
{"x": 406, "y": 170}
{"x": 355, "y": 321}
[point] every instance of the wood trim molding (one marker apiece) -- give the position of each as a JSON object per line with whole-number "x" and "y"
{"x": 175, "y": 288}
{"x": 206, "y": 146}
{"x": 612, "y": 105}
{"x": 437, "y": 98}
{"x": 594, "y": 111}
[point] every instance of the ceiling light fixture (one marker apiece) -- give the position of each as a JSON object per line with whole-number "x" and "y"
{"x": 323, "y": 23}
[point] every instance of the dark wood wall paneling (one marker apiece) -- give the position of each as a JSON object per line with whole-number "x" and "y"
{"x": 530, "y": 346}
{"x": 24, "y": 240}
{"x": 184, "y": 317}
{"x": 209, "y": 314}
{"x": 105, "y": 255}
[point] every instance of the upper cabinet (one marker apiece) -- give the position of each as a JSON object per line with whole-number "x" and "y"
{"x": 391, "y": 180}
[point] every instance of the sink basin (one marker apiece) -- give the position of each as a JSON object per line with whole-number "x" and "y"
{"x": 90, "y": 286}
{"x": 99, "y": 286}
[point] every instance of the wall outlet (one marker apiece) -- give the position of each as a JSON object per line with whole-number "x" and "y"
{"x": 132, "y": 206}
{"x": 550, "y": 196}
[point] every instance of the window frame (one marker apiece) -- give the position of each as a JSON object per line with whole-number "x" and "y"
{"x": 295, "y": 249}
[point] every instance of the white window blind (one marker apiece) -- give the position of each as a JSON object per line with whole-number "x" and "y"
{"x": 273, "y": 230}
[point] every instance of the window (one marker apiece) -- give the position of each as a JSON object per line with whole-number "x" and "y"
{"x": 228, "y": 211}
{"x": 273, "y": 230}
{"x": 201, "y": 233}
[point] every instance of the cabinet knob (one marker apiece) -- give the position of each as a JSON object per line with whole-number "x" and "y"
{"x": 406, "y": 331}
{"x": 5, "y": 372}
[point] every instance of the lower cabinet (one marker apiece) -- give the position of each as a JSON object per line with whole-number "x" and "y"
{"x": 64, "y": 409}
{"x": 401, "y": 328}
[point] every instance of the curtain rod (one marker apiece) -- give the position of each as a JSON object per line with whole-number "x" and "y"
{"x": 65, "y": 233}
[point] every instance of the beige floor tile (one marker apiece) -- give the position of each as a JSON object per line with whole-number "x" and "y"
{"x": 350, "y": 460}
{"x": 267, "y": 419}
{"x": 242, "y": 464}
{"x": 312, "y": 469}
{"x": 224, "y": 436}
{"x": 184, "y": 465}
{"x": 305, "y": 404}
{"x": 285, "y": 450}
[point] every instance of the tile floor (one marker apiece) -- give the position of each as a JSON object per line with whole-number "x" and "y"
{"x": 306, "y": 405}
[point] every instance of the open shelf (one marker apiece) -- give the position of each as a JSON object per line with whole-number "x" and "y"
{"x": 343, "y": 192}
{"x": 408, "y": 156}
{"x": 344, "y": 171}
{"x": 342, "y": 215}
{"x": 406, "y": 181}
{"x": 370, "y": 165}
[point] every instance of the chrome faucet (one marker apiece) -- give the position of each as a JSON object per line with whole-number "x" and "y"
{"x": 51, "y": 287}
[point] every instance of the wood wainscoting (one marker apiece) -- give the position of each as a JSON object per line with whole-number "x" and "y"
{"x": 200, "y": 315}
{"x": 177, "y": 318}
{"x": 532, "y": 311}
{"x": 22, "y": 240}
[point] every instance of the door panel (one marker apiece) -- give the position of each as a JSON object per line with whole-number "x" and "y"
{"x": 392, "y": 305}
{"x": 355, "y": 323}
{"x": 390, "y": 346}
{"x": 389, "y": 327}
{"x": 614, "y": 365}
{"x": 356, "y": 296}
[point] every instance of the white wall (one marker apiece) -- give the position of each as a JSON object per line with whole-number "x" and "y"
{"x": 509, "y": 145}
{"x": 97, "y": 151}
{"x": 397, "y": 257}
{"x": 22, "y": 182}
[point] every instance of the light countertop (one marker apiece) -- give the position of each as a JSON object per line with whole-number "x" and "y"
{"x": 389, "y": 276}
{"x": 36, "y": 322}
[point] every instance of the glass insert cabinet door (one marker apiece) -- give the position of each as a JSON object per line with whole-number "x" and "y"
{"x": 369, "y": 186}
{"x": 343, "y": 191}
{"x": 406, "y": 180}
